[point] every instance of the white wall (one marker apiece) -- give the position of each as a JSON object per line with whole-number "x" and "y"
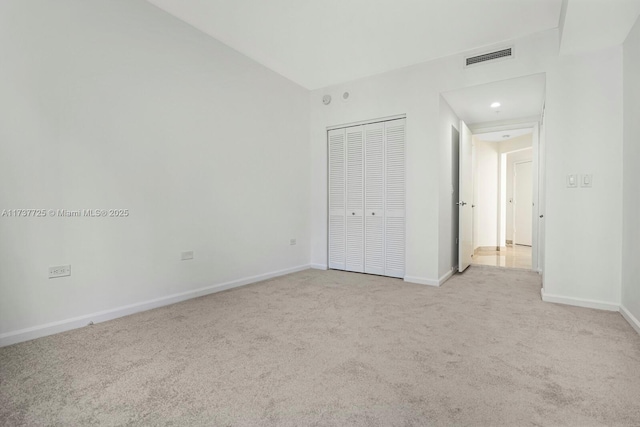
{"x": 584, "y": 135}
{"x": 116, "y": 104}
{"x": 583, "y": 111}
{"x": 522, "y": 142}
{"x": 486, "y": 194}
{"x": 631, "y": 187}
{"x": 414, "y": 91}
{"x": 512, "y": 158}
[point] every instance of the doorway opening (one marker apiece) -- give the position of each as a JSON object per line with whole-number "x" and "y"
{"x": 496, "y": 134}
{"x": 503, "y": 198}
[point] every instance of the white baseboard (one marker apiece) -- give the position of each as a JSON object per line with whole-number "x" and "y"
{"x": 579, "y": 302}
{"x": 633, "y": 321}
{"x": 102, "y": 316}
{"x": 446, "y": 277}
{"x": 421, "y": 281}
{"x": 429, "y": 282}
{"x": 318, "y": 266}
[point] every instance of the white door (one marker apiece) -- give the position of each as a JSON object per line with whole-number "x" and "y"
{"x": 394, "y": 198}
{"x": 523, "y": 203}
{"x": 374, "y": 254}
{"x": 541, "y": 200}
{"x": 367, "y": 198}
{"x": 355, "y": 199}
{"x": 465, "y": 213}
{"x": 337, "y": 205}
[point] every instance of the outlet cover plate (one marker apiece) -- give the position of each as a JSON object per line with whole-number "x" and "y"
{"x": 187, "y": 255}
{"x": 59, "y": 271}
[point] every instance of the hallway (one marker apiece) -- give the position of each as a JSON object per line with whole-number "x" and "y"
{"x": 513, "y": 256}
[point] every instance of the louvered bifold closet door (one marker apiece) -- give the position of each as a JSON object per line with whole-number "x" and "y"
{"x": 374, "y": 198}
{"x": 355, "y": 199}
{"x": 395, "y": 198}
{"x": 337, "y": 199}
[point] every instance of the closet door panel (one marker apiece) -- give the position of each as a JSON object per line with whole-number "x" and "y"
{"x": 395, "y": 198}
{"x": 355, "y": 199}
{"x": 337, "y": 199}
{"x": 374, "y": 199}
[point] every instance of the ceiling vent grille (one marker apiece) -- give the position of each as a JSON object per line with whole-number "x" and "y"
{"x": 491, "y": 56}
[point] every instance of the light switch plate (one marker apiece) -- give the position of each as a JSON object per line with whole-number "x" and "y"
{"x": 586, "y": 180}
{"x": 187, "y": 255}
{"x": 572, "y": 181}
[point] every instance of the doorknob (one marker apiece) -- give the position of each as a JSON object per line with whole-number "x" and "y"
{"x": 373, "y": 213}
{"x": 461, "y": 203}
{"x": 353, "y": 213}
{"x": 541, "y": 216}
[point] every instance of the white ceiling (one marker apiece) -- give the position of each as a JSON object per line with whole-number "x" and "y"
{"x": 520, "y": 98}
{"x": 597, "y": 24}
{"x": 503, "y": 135}
{"x": 317, "y": 43}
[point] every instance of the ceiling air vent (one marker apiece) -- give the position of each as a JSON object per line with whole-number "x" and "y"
{"x": 491, "y": 56}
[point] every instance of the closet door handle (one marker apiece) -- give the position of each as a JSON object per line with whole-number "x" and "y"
{"x": 373, "y": 213}
{"x": 353, "y": 213}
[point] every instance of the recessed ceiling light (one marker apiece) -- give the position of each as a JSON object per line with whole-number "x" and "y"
{"x": 495, "y": 104}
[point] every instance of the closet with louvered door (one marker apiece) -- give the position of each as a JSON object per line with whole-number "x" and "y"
{"x": 367, "y": 198}
{"x": 374, "y": 198}
{"x": 337, "y": 199}
{"x": 355, "y": 199}
{"x": 394, "y": 198}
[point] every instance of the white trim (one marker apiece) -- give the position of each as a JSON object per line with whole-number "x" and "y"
{"x": 522, "y": 123}
{"x": 429, "y": 282}
{"x": 579, "y": 302}
{"x": 635, "y": 323}
{"x": 421, "y": 281}
{"x": 446, "y": 277}
{"x": 319, "y": 266}
{"x": 27, "y": 334}
{"x": 367, "y": 122}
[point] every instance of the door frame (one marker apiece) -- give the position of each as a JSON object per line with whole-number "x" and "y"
{"x": 455, "y": 196}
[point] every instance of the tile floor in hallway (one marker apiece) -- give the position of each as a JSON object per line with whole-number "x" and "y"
{"x": 514, "y": 256}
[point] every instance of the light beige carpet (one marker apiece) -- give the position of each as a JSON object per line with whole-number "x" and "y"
{"x": 330, "y": 348}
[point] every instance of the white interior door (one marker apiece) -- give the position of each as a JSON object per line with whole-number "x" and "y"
{"x": 337, "y": 227}
{"x": 374, "y": 253}
{"x": 523, "y": 199}
{"x": 465, "y": 213}
{"x": 542, "y": 179}
{"x": 355, "y": 199}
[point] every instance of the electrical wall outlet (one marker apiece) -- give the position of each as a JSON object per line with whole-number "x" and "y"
{"x": 293, "y": 242}
{"x": 187, "y": 255}
{"x": 59, "y": 271}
